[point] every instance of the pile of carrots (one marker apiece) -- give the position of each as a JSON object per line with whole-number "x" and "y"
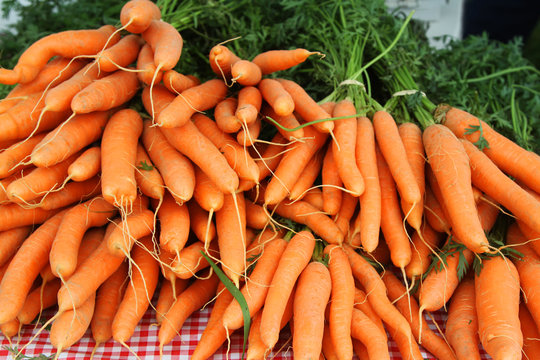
{"x": 98, "y": 200}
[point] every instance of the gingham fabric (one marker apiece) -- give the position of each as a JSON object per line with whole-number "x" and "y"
{"x": 144, "y": 342}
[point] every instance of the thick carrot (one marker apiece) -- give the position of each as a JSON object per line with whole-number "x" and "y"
{"x": 121, "y": 54}
{"x": 257, "y": 284}
{"x": 310, "y": 299}
{"x": 176, "y": 170}
{"x": 214, "y": 335}
{"x": 55, "y": 72}
{"x": 277, "y": 97}
{"x": 174, "y": 224}
{"x": 249, "y": 104}
{"x": 328, "y": 348}
{"x": 176, "y": 82}
{"x": 21, "y": 272}
{"x": 11, "y": 240}
{"x": 289, "y": 122}
{"x": 462, "y": 322}
{"x": 66, "y": 44}
{"x": 361, "y": 303}
{"x": 527, "y": 268}
{"x": 93, "y": 272}
{"x": 221, "y": 60}
{"x": 507, "y": 155}
{"x": 87, "y": 165}
{"x": 148, "y": 178}
{"x": 531, "y": 345}
{"x": 38, "y": 300}
{"x": 344, "y": 148}
{"x": 376, "y": 290}
{"x": 450, "y": 165}
{"x": 294, "y": 259}
{"x": 12, "y": 158}
{"x": 392, "y": 225}
{"x": 306, "y": 107}
{"x": 409, "y": 309}
{"x": 191, "y": 142}
{"x": 491, "y": 180}
{"x": 136, "y": 15}
{"x": 70, "y": 326}
{"x": 497, "y": 306}
{"x": 411, "y": 136}
{"x": 231, "y": 231}
{"x": 246, "y": 73}
{"x": 146, "y": 67}
{"x": 66, "y": 140}
{"x": 168, "y": 294}
{"x": 13, "y": 216}
{"x": 367, "y": 223}
{"x": 139, "y": 291}
{"x": 203, "y": 229}
{"x": 198, "y": 98}
{"x": 134, "y": 226}
{"x": 106, "y": 93}
{"x": 304, "y": 213}
{"x": 108, "y": 297}
{"x": 277, "y": 60}
{"x": 391, "y": 145}
{"x": 331, "y": 181}
{"x": 191, "y": 300}
{"x": 435, "y": 214}
{"x": 191, "y": 261}
{"x": 423, "y": 245}
{"x": 291, "y": 166}
{"x": 76, "y": 221}
{"x": 309, "y": 175}
{"x": 237, "y": 156}
{"x": 23, "y": 119}
{"x": 365, "y": 330}
{"x": 342, "y": 301}
{"x": 256, "y": 216}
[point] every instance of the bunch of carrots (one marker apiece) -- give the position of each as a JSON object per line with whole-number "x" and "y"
{"x": 98, "y": 200}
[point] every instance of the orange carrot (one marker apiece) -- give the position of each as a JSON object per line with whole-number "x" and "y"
{"x": 289, "y": 122}
{"x": 12, "y": 158}
{"x": 310, "y": 299}
{"x": 497, "y": 307}
{"x": 306, "y": 107}
{"x": 176, "y": 170}
{"x": 136, "y": 15}
{"x": 176, "y": 82}
{"x": 168, "y": 293}
{"x": 86, "y": 166}
{"x": 121, "y": 54}
{"x": 256, "y": 217}
{"x": 365, "y": 330}
{"x": 246, "y": 73}
{"x": 331, "y": 181}
{"x": 450, "y": 165}
{"x": 277, "y": 60}
{"x": 507, "y": 155}
{"x": 133, "y": 227}
{"x": 435, "y": 214}
{"x": 531, "y": 345}
{"x": 64, "y": 141}
{"x": 146, "y": 66}
{"x": 343, "y": 217}
{"x": 277, "y": 97}
{"x": 249, "y": 104}
{"x": 221, "y": 60}
{"x": 138, "y": 293}
{"x": 106, "y": 93}
{"x": 66, "y": 44}
{"x": 309, "y": 175}
{"x": 13, "y": 216}
{"x": 174, "y": 221}
{"x": 191, "y": 142}
{"x": 38, "y": 300}
{"x": 462, "y": 323}
{"x": 344, "y": 148}
{"x": 192, "y": 299}
{"x": 423, "y": 244}
{"x": 392, "y": 149}
{"x": 10, "y": 241}
{"x": 191, "y": 261}
{"x": 342, "y": 301}
{"x": 294, "y": 259}
{"x": 198, "y": 98}
{"x": 21, "y": 272}
{"x": 147, "y": 177}
{"x": 204, "y": 230}
{"x": 304, "y": 213}
{"x": 206, "y": 194}
{"x": 361, "y": 303}
{"x": 411, "y": 136}
{"x": 328, "y": 349}
{"x": 76, "y": 221}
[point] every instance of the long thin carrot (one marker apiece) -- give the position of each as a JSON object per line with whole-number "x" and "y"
{"x": 331, "y": 183}
{"x": 277, "y": 60}
{"x": 365, "y": 330}
{"x": 310, "y": 299}
{"x": 309, "y": 175}
{"x": 11, "y": 240}
{"x": 203, "y": 229}
{"x": 13, "y": 215}
{"x": 87, "y": 165}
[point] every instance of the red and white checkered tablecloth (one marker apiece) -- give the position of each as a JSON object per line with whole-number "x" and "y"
{"x": 145, "y": 343}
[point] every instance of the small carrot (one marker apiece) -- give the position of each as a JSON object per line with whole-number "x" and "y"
{"x": 136, "y": 15}
{"x": 277, "y": 97}
{"x": 256, "y": 216}
{"x": 277, "y": 60}
{"x": 13, "y": 216}
{"x": 246, "y": 73}
{"x": 148, "y": 178}
{"x": 190, "y": 259}
{"x": 168, "y": 293}
{"x": 422, "y": 247}
{"x": 176, "y": 82}
{"x": 87, "y": 165}
{"x": 203, "y": 229}
{"x": 310, "y": 299}
{"x": 221, "y": 60}
{"x": 249, "y": 104}
{"x": 121, "y": 54}
{"x": 174, "y": 221}
{"x": 309, "y": 175}
{"x": 147, "y": 70}
{"x": 332, "y": 183}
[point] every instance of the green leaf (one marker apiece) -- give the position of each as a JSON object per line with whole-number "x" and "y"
{"x": 237, "y": 294}
{"x": 143, "y": 165}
